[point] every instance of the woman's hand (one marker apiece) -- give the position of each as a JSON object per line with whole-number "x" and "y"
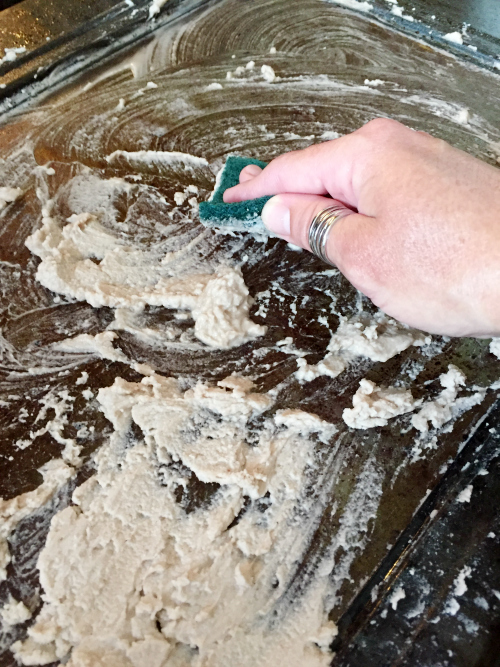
{"x": 423, "y": 241}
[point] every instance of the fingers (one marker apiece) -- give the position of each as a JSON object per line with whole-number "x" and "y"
{"x": 352, "y": 242}
{"x": 341, "y": 168}
{"x": 320, "y": 169}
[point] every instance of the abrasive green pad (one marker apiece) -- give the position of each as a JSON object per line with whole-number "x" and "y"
{"x": 243, "y": 216}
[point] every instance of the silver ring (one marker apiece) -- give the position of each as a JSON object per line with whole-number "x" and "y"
{"x": 320, "y": 229}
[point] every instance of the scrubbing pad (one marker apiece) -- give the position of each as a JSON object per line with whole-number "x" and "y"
{"x": 243, "y": 216}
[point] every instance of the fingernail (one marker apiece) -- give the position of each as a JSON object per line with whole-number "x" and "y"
{"x": 276, "y": 217}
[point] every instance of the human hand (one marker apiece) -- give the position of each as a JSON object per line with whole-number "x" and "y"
{"x": 423, "y": 241}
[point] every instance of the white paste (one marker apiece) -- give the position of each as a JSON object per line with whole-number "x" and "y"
{"x": 460, "y": 585}
{"x": 358, "y": 5}
{"x": 155, "y": 7}
{"x": 441, "y": 410}
{"x": 455, "y": 37}
{"x": 8, "y": 195}
{"x": 330, "y": 366}
{"x": 463, "y": 116}
{"x": 495, "y": 347}
{"x": 83, "y": 379}
{"x": 329, "y": 135}
{"x": 465, "y": 495}
{"x": 14, "y": 612}
{"x": 127, "y": 277}
{"x": 452, "y": 607}
{"x": 374, "y": 406}
{"x": 101, "y": 345}
{"x": 213, "y": 86}
{"x": 268, "y": 73}
{"x": 55, "y": 474}
{"x": 305, "y": 423}
{"x": 179, "y": 198}
{"x": 378, "y": 338}
{"x": 132, "y": 579}
{"x": 221, "y": 311}
{"x": 397, "y": 595}
{"x": 10, "y": 54}
{"x": 373, "y": 82}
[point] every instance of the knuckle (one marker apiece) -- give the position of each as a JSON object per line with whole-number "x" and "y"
{"x": 279, "y": 168}
{"x": 381, "y": 128}
{"x": 438, "y": 146}
{"x": 378, "y": 141}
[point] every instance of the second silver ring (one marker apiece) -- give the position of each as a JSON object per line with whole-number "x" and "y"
{"x": 321, "y": 227}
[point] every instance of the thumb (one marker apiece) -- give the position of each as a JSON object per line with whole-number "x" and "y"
{"x": 351, "y": 242}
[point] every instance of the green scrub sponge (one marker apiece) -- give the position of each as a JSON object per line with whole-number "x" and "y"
{"x": 243, "y": 216}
